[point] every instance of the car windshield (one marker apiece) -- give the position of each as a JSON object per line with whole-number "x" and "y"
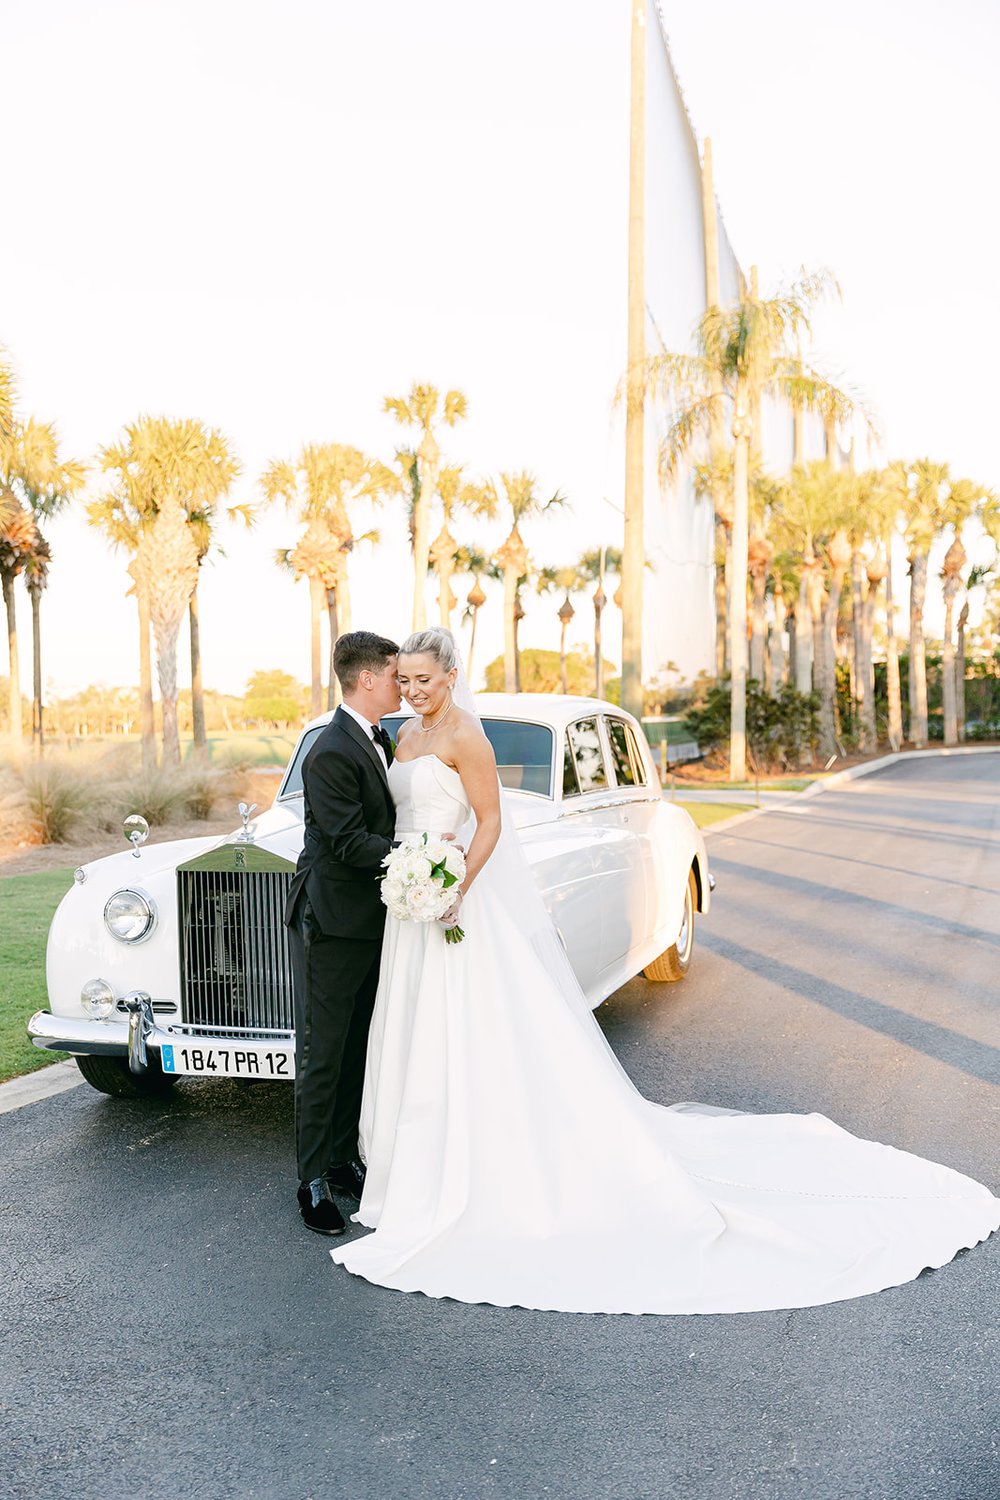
{"x": 523, "y": 752}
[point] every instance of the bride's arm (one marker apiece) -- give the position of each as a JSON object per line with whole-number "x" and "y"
{"x": 475, "y": 762}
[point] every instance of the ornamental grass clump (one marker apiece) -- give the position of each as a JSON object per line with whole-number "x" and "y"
{"x": 53, "y": 798}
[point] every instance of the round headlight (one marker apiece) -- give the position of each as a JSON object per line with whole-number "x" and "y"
{"x": 128, "y": 916}
{"x": 98, "y": 999}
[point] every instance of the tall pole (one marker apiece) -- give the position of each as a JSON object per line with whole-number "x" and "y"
{"x": 632, "y": 549}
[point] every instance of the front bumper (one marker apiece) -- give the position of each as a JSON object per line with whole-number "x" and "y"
{"x": 135, "y": 1037}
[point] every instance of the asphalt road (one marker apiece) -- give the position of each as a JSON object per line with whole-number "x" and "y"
{"x": 171, "y": 1330}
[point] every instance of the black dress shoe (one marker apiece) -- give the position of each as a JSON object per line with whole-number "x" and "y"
{"x": 319, "y": 1212}
{"x": 348, "y": 1177}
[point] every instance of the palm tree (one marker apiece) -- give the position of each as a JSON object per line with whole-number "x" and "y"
{"x": 936, "y": 501}
{"x": 594, "y": 566}
{"x": 747, "y": 348}
{"x": 18, "y": 539}
{"x": 566, "y": 581}
{"x": 321, "y": 489}
{"x": 456, "y": 494}
{"x": 34, "y": 485}
{"x": 420, "y": 409}
{"x": 470, "y": 560}
{"x": 954, "y": 562}
{"x": 47, "y": 483}
{"x": 203, "y": 523}
{"x": 164, "y": 472}
{"x": 520, "y": 494}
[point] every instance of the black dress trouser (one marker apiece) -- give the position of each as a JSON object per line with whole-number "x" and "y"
{"x": 334, "y": 984}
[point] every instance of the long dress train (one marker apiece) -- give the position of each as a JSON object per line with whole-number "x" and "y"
{"x": 511, "y": 1161}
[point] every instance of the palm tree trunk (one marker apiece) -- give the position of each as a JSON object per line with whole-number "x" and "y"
{"x": 37, "y": 728}
{"x": 864, "y": 685}
{"x": 146, "y": 720}
{"x": 758, "y": 630}
{"x": 598, "y": 651}
{"x": 738, "y": 601}
{"x": 16, "y": 722}
{"x": 828, "y": 678}
{"x": 776, "y": 650}
{"x": 166, "y": 671}
{"x": 428, "y": 457}
{"x": 960, "y": 671}
{"x": 331, "y": 607}
{"x": 446, "y": 599}
{"x": 510, "y": 577}
{"x": 472, "y": 641}
{"x": 317, "y": 603}
{"x": 869, "y": 727}
{"x": 918, "y": 654}
{"x": 803, "y": 639}
{"x": 894, "y": 702}
{"x": 198, "y": 734}
{"x": 721, "y": 597}
{"x": 948, "y": 666}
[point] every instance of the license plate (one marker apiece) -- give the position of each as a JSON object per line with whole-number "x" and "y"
{"x": 228, "y": 1061}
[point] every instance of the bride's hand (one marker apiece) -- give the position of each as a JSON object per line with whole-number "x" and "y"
{"x": 449, "y": 838}
{"x": 449, "y": 918}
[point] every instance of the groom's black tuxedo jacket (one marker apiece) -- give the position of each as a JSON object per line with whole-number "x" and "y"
{"x": 349, "y": 825}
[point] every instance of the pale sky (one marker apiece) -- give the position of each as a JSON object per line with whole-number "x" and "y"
{"x": 269, "y": 215}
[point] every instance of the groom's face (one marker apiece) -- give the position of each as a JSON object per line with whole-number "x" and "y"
{"x": 385, "y": 689}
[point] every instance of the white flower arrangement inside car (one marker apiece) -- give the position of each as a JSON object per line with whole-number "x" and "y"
{"x": 419, "y": 880}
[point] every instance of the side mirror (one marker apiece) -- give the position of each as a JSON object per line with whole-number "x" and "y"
{"x": 136, "y": 830}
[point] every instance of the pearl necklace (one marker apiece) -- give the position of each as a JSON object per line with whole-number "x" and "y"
{"x": 432, "y": 727}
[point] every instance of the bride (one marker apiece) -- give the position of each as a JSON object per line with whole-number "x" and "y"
{"x": 510, "y": 1159}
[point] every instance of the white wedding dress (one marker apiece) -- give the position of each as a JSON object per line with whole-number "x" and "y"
{"x": 511, "y": 1161}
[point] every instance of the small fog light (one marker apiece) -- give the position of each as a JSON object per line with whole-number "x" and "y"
{"x": 80, "y": 875}
{"x": 98, "y": 999}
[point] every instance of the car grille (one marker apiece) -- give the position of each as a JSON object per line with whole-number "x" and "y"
{"x": 236, "y": 976}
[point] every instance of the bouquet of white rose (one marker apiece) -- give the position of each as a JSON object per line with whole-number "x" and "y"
{"x": 419, "y": 878}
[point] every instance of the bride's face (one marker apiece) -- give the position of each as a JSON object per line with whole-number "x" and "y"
{"x": 424, "y": 683}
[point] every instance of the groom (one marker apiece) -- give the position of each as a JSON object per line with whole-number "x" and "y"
{"x": 335, "y": 918}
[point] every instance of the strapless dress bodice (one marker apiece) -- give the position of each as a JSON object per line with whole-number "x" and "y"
{"x": 429, "y": 796}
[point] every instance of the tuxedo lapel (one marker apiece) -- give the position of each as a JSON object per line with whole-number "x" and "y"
{"x": 351, "y": 726}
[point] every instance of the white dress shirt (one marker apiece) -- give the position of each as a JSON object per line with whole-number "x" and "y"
{"x": 369, "y": 728}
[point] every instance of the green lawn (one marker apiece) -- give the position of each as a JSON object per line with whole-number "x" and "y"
{"x": 26, "y": 906}
{"x": 706, "y": 813}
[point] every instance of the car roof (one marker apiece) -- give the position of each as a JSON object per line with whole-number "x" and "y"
{"x": 555, "y": 709}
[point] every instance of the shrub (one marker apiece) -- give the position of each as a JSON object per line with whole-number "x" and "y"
{"x": 780, "y": 731}
{"x": 55, "y": 797}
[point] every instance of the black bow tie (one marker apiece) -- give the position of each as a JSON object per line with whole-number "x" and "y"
{"x": 381, "y": 738}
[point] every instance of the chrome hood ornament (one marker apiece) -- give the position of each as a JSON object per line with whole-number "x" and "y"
{"x": 249, "y": 829}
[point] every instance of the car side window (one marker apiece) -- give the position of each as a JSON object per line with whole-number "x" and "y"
{"x": 620, "y": 758}
{"x": 638, "y": 759}
{"x": 588, "y": 758}
{"x": 571, "y": 786}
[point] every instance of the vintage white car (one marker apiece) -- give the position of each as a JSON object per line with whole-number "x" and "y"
{"x": 172, "y": 959}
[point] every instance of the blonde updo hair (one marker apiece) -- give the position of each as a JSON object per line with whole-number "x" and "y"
{"x": 436, "y": 642}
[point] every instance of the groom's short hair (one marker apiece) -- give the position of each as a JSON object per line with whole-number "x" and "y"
{"x": 360, "y": 651}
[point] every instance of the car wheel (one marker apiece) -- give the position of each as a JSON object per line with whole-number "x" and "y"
{"x": 675, "y": 961}
{"x": 111, "y": 1075}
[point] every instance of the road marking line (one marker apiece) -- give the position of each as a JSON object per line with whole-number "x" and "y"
{"x": 42, "y": 1084}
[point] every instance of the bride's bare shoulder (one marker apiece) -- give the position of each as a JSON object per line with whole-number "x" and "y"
{"x": 467, "y": 735}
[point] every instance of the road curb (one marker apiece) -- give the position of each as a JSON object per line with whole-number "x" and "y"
{"x": 850, "y": 773}
{"x": 42, "y": 1084}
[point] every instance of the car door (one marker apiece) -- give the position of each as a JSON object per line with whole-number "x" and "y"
{"x": 612, "y": 902}
{"x": 626, "y": 847}
{"x": 572, "y": 891}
